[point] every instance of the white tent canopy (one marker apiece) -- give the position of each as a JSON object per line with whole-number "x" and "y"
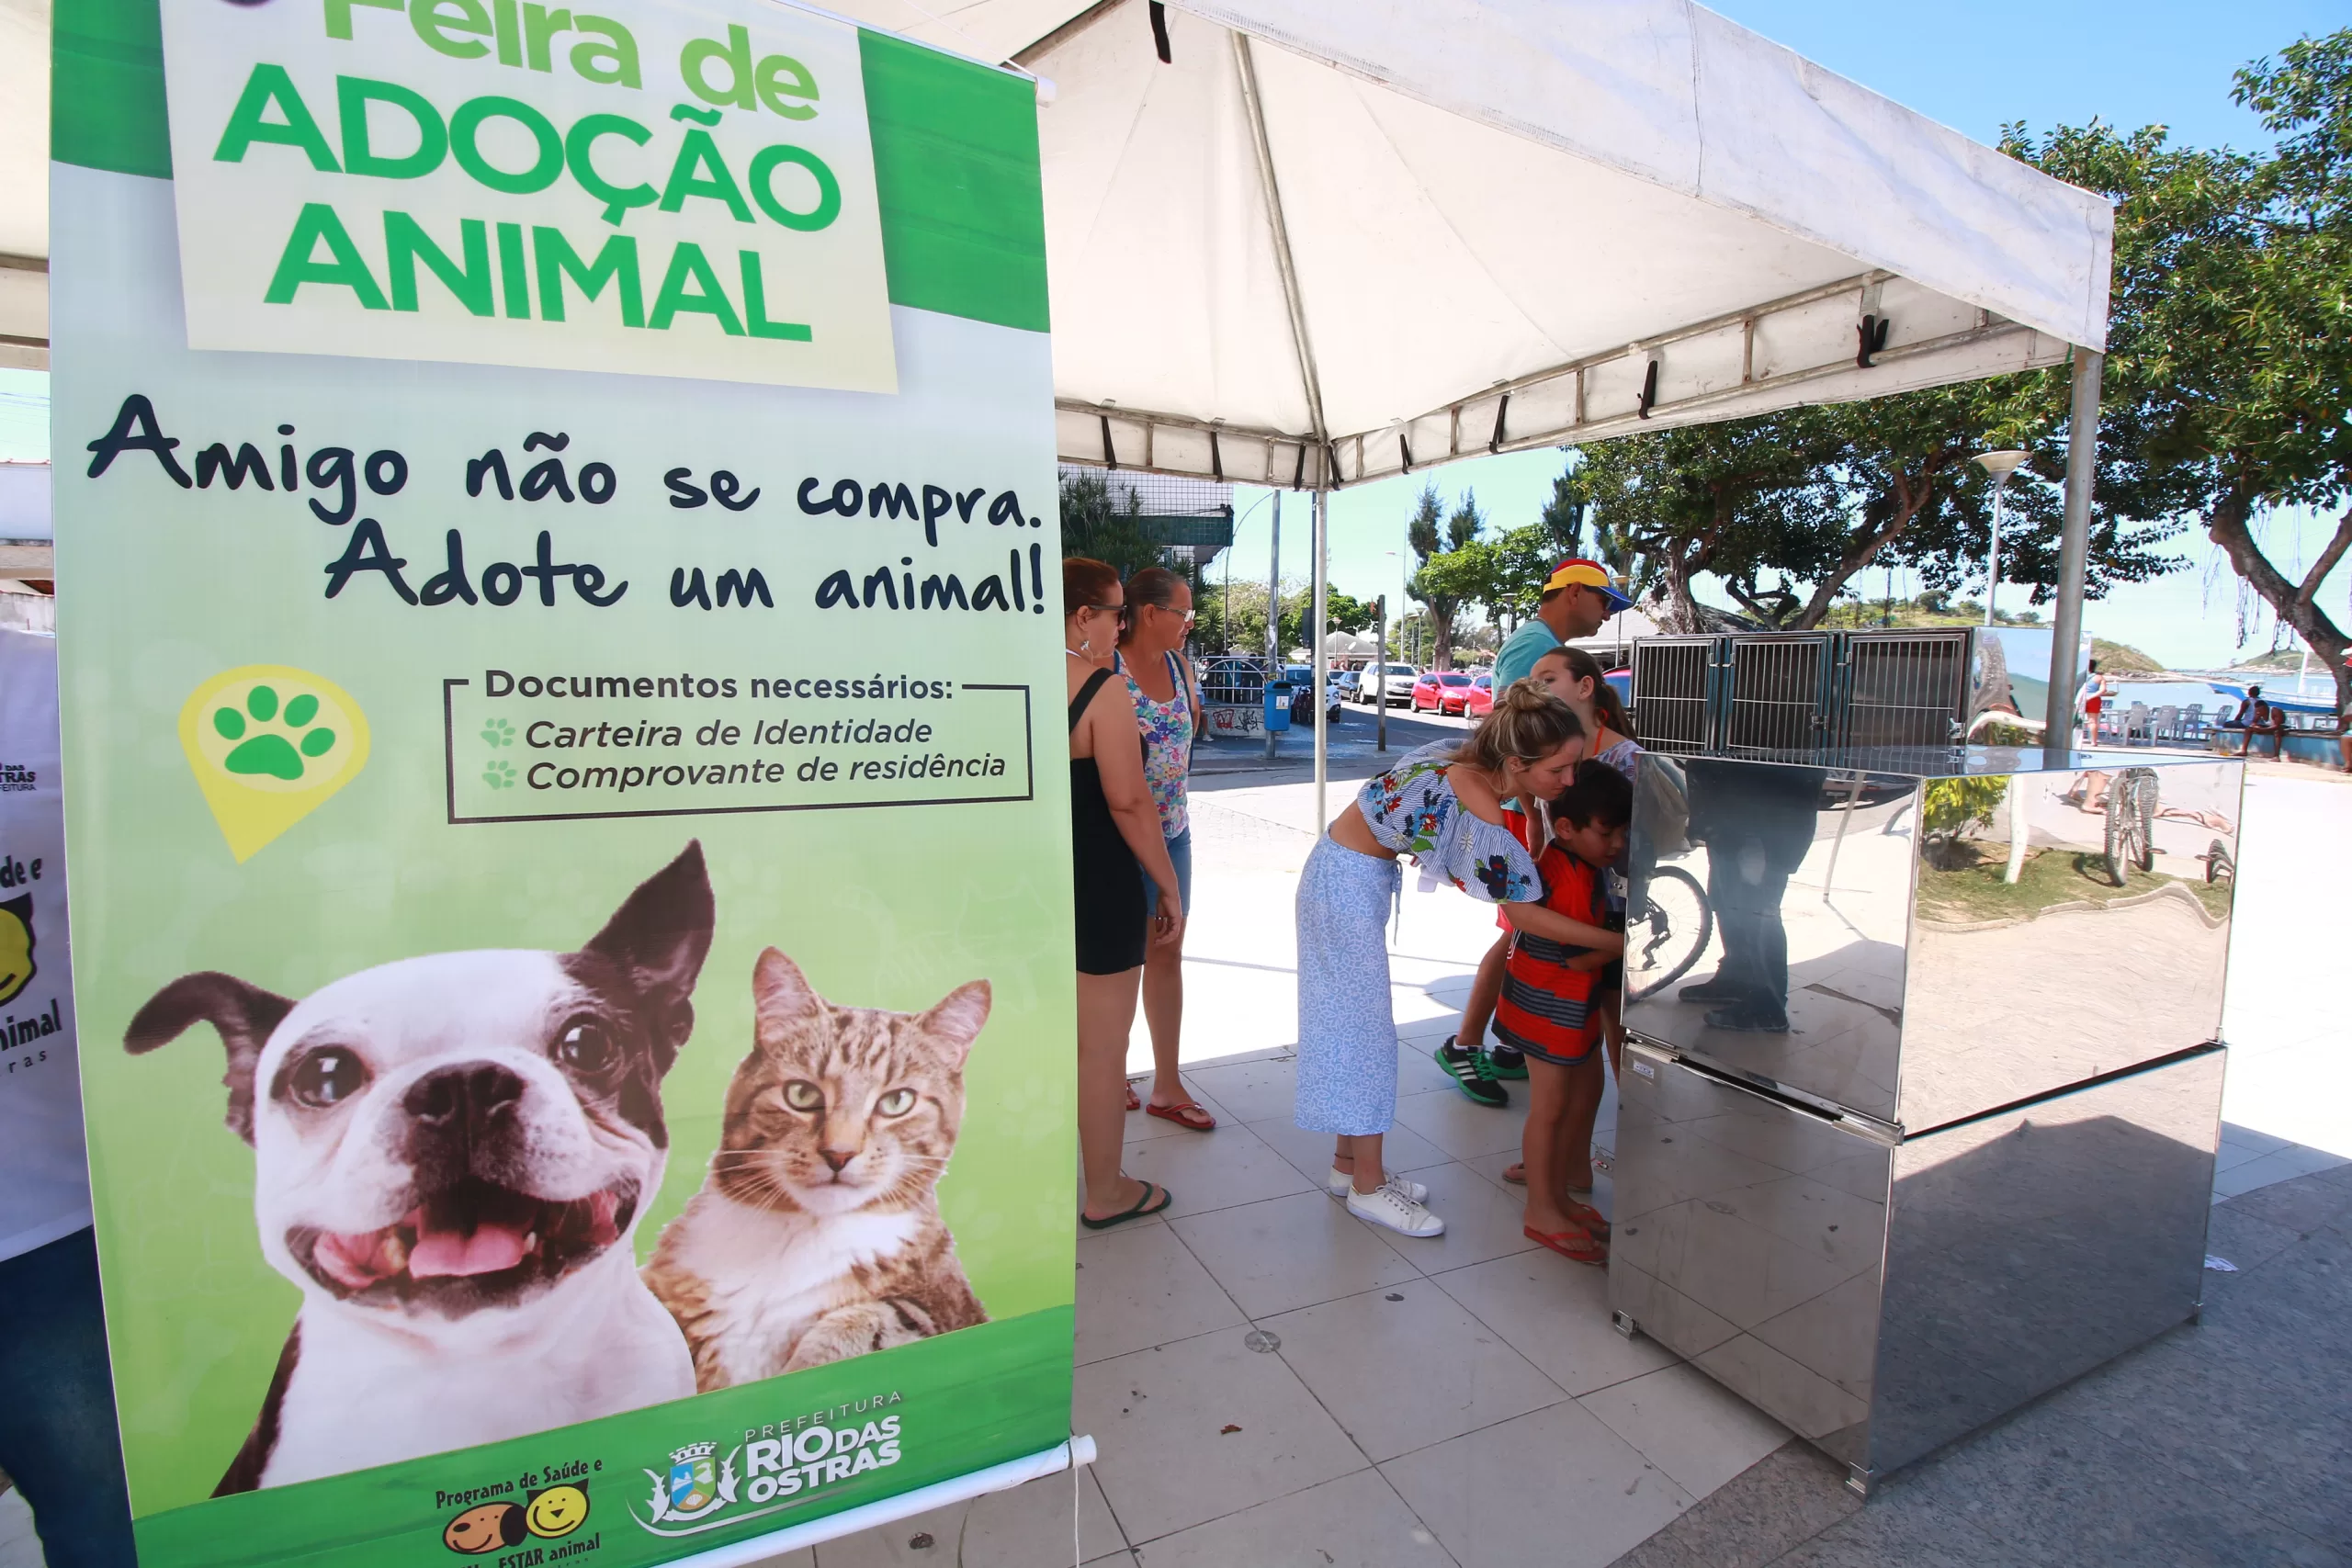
{"x": 1402, "y": 230}
{"x": 1325, "y": 240}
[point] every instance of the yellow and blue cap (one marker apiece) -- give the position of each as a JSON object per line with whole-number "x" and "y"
{"x": 1582, "y": 573}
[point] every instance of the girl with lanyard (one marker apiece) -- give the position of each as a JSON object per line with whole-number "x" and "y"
{"x": 1115, "y": 845}
{"x": 1442, "y": 807}
{"x": 1168, "y": 709}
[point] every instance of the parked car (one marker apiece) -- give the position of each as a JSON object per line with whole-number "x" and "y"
{"x": 1301, "y": 697}
{"x": 1430, "y": 691}
{"x": 1347, "y": 681}
{"x": 1472, "y": 701}
{"x": 1400, "y": 684}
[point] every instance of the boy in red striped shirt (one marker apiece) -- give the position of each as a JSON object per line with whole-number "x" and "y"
{"x": 1550, "y": 1008}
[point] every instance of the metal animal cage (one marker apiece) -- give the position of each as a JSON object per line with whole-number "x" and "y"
{"x": 1905, "y": 688}
{"x": 1779, "y": 692}
{"x": 1780, "y": 696}
{"x": 1673, "y": 692}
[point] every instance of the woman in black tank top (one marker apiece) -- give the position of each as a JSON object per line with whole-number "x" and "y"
{"x": 1114, "y": 843}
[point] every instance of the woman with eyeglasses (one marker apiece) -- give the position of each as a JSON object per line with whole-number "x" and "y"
{"x": 1115, "y": 844}
{"x": 1168, "y": 709}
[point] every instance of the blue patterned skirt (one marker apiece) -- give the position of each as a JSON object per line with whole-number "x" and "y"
{"x": 1347, "y": 1029}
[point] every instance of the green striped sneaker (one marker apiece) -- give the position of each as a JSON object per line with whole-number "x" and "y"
{"x": 1472, "y": 1073}
{"x": 1509, "y": 1063}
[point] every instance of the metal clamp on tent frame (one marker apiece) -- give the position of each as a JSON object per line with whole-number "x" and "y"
{"x": 1651, "y": 405}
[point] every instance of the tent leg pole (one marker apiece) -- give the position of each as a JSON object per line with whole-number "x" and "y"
{"x": 2074, "y": 553}
{"x": 1322, "y": 653}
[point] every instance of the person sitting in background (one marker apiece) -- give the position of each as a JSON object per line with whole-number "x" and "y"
{"x": 2256, "y": 716}
{"x": 2344, "y": 726}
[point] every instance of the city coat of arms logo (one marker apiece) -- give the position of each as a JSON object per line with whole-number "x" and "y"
{"x": 697, "y": 1485}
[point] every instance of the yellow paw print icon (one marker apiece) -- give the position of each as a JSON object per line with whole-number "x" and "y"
{"x": 269, "y": 744}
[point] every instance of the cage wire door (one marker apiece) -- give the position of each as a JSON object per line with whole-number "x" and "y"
{"x": 1780, "y": 693}
{"x": 1904, "y": 688}
{"x": 1674, "y": 690}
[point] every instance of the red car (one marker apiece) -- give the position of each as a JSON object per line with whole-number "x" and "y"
{"x": 1475, "y": 703}
{"x": 1435, "y": 690}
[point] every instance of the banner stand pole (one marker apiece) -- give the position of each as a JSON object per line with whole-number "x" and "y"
{"x": 1078, "y": 1450}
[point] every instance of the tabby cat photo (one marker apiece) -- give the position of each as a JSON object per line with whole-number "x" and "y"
{"x": 817, "y": 1235}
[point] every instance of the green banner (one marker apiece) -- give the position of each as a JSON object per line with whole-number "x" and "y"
{"x": 569, "y": 896}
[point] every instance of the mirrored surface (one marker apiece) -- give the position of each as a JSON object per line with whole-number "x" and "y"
{"x": 1799, "y": 878}
{"x": 2066, "y": 925}
{"x": 1748, "y": 1239}
{"x": 1880, "y": 1301}
{"x": 1918, "y": 948}
{"x": 2028, "y": 1248}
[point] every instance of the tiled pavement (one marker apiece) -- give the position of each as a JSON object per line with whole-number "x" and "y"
{"x": 2219, "y": 1444}
{"x": 1464, "y": 1401}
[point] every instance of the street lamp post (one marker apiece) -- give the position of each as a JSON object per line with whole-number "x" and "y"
{"x": 2003, "y": 467}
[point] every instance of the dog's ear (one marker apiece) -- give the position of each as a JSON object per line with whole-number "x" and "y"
{"x": 957, "y": 1018}
{"x": 659, "y": 937}
{"x": 244, "y": 1013}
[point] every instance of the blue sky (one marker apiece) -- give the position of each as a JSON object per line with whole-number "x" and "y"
{"x": 1974, "y": 67}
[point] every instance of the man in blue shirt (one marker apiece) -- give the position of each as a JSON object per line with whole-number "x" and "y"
{"x": 1576, "y": 598}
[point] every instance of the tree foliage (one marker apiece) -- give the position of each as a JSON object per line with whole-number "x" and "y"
{"x": 2228, "y": 396}
{"x": 1232, "y": 618}
{"x": 2230, "y": 367}
{"x": 1096, "y": 524}
{"x": 1456, "y": 567}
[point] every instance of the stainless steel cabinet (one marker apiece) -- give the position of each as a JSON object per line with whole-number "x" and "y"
{"x": 1881, "y": 1297}
{"x": 1928, "y": 1127}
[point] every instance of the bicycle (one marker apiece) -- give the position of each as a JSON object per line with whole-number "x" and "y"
{"x": 1667, "y": 924}
{"x": 2131, "y": 823}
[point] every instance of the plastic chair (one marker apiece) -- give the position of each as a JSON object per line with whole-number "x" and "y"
{"x": 2135, "y": 726}
{"x": 2190, "y": 725}
{"x": 2163, "y": 721}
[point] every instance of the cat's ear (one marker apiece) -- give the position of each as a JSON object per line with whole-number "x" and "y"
{"x": 957, "y": 1018}
{"x": 780, "y": 992}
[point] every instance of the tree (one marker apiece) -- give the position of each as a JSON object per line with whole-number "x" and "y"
{"x": 1708, "y": 497}
{"x": 1449, "y": 580}
{"x": 1562, "y": 519}
{"x": 1521, "y": 561}
{"x": 1094, "y": 523}
{"x": 2230, "y": 355}
{"x": 1242, "y": 628}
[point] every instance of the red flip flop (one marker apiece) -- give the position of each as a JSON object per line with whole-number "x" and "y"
{"x": 1134, "y": 1102}
{"x": 1590, "y": 1219}
{"x": 1186, "y": 1115}
{"x": 1591, "y": 1252}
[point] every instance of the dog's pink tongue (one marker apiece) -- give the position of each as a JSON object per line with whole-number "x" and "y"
{"x": 492, "y": 1248}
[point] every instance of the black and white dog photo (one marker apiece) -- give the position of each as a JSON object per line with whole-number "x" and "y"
{"x": 450, "y": 1156}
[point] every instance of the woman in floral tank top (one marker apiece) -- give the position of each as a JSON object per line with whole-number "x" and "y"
{"x": 1168, "y": 710}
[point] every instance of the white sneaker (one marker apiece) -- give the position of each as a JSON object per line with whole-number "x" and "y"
{"x": 1392, "y": 1208}
{"x": 1339, "y": 1183}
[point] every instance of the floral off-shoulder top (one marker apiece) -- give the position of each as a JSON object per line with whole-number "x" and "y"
{"x": 1412, "y": 809}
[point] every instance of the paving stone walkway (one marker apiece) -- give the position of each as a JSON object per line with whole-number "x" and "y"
{"x": 2221, "y": 1443}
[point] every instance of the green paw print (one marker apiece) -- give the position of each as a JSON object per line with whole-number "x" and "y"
{"x": 278, "y": 749}
{"x": 498, "y": 732}
{"x": 498, "y": 775}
